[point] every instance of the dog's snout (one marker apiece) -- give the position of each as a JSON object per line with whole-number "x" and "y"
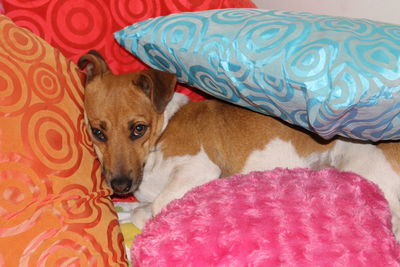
{"x": 121, "y": 185}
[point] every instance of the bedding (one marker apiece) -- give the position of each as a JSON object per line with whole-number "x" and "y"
{"x": 129, "y": 230}
{"x": 330, "y": 75}
{"x": 54, "y": 208}
{"x": 281, "y": 217}
{"x": 75, "y": 27}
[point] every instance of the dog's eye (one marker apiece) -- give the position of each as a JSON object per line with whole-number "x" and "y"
{"x": 137, "y": 131}
{"x": 99, "y": 135}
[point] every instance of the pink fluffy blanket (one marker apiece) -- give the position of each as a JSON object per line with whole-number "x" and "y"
{"x": 277, "y": 218}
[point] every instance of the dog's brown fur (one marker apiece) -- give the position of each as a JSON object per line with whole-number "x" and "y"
{"x": 126, "y": 99}
{"x": 211, "y": 136}
{"x": 116, "y": 103}
{"x": 248, "y": 131}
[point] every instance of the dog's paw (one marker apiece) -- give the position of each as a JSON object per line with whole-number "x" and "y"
{"x": 141, "y": 215}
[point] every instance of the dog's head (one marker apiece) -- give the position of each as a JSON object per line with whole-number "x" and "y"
{"x": 124, "y": 116}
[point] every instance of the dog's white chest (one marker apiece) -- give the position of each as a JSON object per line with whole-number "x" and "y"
{"x": 174, "y": 176}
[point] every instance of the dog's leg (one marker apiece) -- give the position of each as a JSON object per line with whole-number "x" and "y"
{"x": 195, "y": 171}
{"x": 141, "y": 214}
{"x": 171, "y": 178}
{"x": 180, "y": 184}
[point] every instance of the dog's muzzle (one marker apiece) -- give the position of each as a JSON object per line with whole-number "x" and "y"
{"x": 121, "y": 185}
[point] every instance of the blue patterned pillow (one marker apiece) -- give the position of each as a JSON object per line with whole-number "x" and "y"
{"x": 331, "y": 75}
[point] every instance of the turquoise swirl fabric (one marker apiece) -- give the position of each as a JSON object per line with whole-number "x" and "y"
{"x": 331, "y": 75}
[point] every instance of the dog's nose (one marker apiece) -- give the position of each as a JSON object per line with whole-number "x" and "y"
{"x": 121, "y": 185}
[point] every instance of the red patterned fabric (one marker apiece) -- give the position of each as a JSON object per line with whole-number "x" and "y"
{"x": 75, "y": 26}
{"x": 54, "y": 209}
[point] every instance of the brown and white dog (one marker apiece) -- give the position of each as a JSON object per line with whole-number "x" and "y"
{"x": 154, "y": 143}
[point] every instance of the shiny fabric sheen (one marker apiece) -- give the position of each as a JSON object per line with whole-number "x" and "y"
{"x": 74, "y": 27}
{"x": 331, "y": 75}
{"x": 54, "y": 208}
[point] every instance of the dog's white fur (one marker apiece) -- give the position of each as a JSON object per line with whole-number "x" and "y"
{"x": 190, "y": 144}
{"x": 166, "y": 179}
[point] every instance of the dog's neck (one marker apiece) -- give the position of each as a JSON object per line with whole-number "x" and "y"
{"x": 177, "y": 101}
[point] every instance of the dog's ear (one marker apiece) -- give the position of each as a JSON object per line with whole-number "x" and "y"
{"x": 94, "y": 64}
{"x": 158, "y": 85}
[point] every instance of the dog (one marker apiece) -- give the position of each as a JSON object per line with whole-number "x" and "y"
{"x": 156, "y": 144}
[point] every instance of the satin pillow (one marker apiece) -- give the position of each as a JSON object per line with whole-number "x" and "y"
{"x": 74, "y": 27}
{"x": 54, "y": 208}
{"x": 331, "y": 75}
